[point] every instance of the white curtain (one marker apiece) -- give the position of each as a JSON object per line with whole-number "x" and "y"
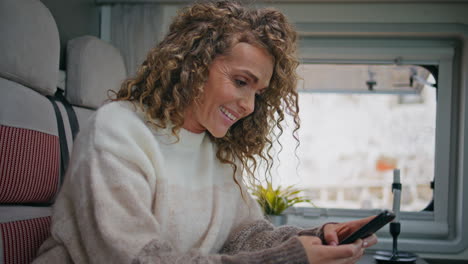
{"x": 135, "y": 29}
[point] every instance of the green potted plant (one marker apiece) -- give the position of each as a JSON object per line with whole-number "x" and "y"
{"x": 274, "y": 201}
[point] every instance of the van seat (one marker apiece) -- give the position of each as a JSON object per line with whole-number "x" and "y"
{"x": 93, "y": 68}
{"x": 29, "y": 144}
{"x": 29, "y": 137}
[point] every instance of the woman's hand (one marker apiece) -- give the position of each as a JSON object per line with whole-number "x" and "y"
{"x": 333, "y": 233}
{"x": 323, "y": 254}
{"x": 332, "y": 253}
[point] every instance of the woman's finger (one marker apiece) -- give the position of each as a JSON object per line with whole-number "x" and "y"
{"x": 342, "y": 254}
{"x": 357, "y": 256}
{"x": 359, "y": 251}
{"x": 349, "y": 251}
{"x": 370, "y": 241}
{"x": 347, "y": 228}
{"x": 330, "y": 234}
{"x": 356, "y": 224}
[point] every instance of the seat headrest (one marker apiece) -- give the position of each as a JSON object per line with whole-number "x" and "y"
{"x": 93, "y": 68}
{"x": 30, "y": 45}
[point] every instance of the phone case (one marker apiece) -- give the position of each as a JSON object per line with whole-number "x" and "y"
{"x": 368, "y": 229}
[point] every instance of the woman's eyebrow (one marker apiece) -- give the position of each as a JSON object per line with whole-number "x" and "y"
{"x": 251, "y": 75}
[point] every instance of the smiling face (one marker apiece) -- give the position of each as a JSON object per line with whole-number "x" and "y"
{"x": 229, "y": 93}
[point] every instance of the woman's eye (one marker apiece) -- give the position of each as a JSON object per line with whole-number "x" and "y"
{"x": 240, "y": 83}
{"x": 260, "y": 92}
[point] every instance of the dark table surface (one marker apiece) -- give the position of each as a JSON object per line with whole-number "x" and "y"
{"x": 368, "y": 258}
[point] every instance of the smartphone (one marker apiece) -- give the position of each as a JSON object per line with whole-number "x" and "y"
{"x": 368, "y": 229}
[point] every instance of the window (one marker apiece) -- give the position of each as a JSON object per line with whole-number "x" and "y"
{"x": 371, "y": 58}
{"x": 358, "y": 123}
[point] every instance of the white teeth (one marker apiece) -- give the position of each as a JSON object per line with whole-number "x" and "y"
{"x": 226, "y": 112}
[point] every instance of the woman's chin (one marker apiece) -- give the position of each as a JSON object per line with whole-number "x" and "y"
{"x": 218, "y": 133}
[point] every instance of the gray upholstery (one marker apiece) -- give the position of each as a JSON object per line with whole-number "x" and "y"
{"x": 93, "y": 68}
{"x": 62, "y": 79}
{"x": 29, "y": 46}
{"x": 24, "y": 108}
{"x": 29, "y": 65}
{"x": 82, "y": 114}
{"x": 11, "y": 213}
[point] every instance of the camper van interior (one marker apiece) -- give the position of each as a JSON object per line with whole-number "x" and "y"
{"x": 383, "y": 89}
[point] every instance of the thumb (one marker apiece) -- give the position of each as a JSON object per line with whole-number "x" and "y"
{"x": 330, "y": 235}
{"x": 346, "y": 251}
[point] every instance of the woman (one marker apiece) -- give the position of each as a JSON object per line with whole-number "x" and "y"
{"x": 156, "y": 175}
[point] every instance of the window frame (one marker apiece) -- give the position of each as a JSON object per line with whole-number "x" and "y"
{"x": 422, "y": 232}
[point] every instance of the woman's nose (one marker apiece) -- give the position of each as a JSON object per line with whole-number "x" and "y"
{"x": 247, "y": 103}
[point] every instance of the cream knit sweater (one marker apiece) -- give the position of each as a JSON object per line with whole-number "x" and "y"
{"x": 135, "y": 195}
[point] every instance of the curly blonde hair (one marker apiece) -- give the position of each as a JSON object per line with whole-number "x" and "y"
{"x": 174, "y": 73}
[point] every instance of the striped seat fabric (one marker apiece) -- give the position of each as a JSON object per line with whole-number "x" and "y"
{"x": 21, "y": 239}
{"x": 24, "y": 153}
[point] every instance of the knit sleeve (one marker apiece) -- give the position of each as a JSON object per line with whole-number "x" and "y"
{"x": 261, "y": 234}
{"x": 254, "y": 232}
{"x": 290, "y": 251}
{"x": 257, "y": 235}
{"x": 256, "y": 241}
